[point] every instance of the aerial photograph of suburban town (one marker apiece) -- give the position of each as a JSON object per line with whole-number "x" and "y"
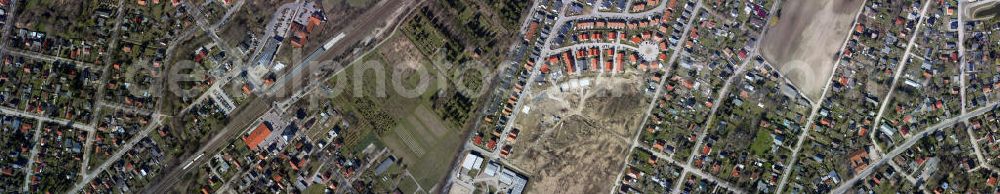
{"x": 499, "y": 96}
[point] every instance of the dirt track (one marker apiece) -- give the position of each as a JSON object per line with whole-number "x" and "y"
{"x": 582, "y": 151}
{"x": 817, "y": 29}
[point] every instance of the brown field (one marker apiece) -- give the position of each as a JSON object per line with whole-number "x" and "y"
{"x": 818, "y": 28}
{"x": 401, "y": 53}
{"x": 584, "y": 150}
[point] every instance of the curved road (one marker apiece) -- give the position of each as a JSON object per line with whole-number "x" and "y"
{"x": 591, "y": 44}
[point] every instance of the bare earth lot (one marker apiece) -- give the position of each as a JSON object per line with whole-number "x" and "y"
{"x": 817, "y": 29}
{"x": 582, "y": 151}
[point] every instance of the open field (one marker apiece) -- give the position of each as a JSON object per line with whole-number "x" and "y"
{"x": 808, "y": 59}
{"x": 575, "y": 141}
{"x": 409, "y": 185}
{"x": 421, "y": 149}
{"x": 405, "y": 122}
{"x": 366, "y": 93}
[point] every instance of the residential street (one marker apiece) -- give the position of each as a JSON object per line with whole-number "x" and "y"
{"x": 817, "y": 104}
{"x": 531, "y": 82}
{"x": 33, "y": 156}
{"x": 895, "y": 80}
{"x": 242, "y": 118}
{"x": 659, "y": 92}
{"x": 718, "y": 102}
{"x": 711, "y": 117}
{"x": 688, "y": 168}
{"x": 114, "y": 158}
{"x": 563, "y": 104}
{"x": 847, "y": 184}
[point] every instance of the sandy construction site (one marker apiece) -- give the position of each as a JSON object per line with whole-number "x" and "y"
{"x": 574, "y": 141}
{"x": 806, "y": 39}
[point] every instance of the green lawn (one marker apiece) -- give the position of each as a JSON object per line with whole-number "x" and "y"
{"x": 315, "y": 189}
{"x": 762, "y": 142}
{"x": 407, "y": 185}
{"x": 425, "y": 155}
{"x": 425, "y": 144}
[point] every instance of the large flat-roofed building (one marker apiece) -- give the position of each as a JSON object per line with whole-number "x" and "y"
{"x": 385, "y": 165}
{"x": 472, "y": 161}
{"x": 511, "y": 181}
{"x": 515, "y": 181}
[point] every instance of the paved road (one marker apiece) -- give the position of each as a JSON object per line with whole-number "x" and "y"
{"x": 129, "y": 109}
{"x": 33, "y": 155}
{"x": 845, "y": 185}
{"x": 711, "y": 114}
{"x": 975, "y": 3}
{"x": 529, "y": 83}
{"x": 621, "y": 15}
{"x": 88, "y": 145}
{"x": 76, "y": 125}
{"x": 178, "y": 39}
{"x": 691, "y": 169}
{"x": 817, "y": 104}
{"x": 721, "y": 96}
{"x": 659, "y": 92}
{"x": 593, "y": 44}
{"x": 272, "y": 27}
{"x": 546, "y": 51}
{"x": 962, "y": 65}
{"x": 485, "y": 110}
{"x": 303, "y": 76}
{"x": 241, "y": 119}
{"x": 229, "y": 13}
{"x": 232, "y": 57}
{"x": 49, "y": 58}
{"x": 99, "y": 94}
{"x": 961, "y": 53}
{"x": 900, "y": 67}
{"x": 87, "y": 177}
{"x": 238, "y": 121}
{"x": 209, "y": 29}
{"x": 11, "y": 9}
{"x": 241, "y": 172}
